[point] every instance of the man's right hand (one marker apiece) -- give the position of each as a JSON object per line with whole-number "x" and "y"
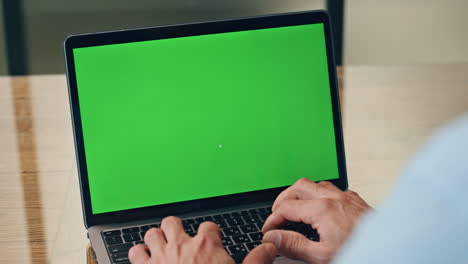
{"x": 332, "y": 212}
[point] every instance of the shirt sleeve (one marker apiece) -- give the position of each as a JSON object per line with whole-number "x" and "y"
{"x": 425, "y": 218}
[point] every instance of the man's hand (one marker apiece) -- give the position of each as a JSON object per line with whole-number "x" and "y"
{"x": 332, "y": 212}
{"x": 170, "y": 244}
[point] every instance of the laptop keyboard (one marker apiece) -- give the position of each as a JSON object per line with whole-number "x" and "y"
{"x": 241, "y": 233}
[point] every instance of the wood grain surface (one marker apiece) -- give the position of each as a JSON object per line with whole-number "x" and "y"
{"x": 388, "y": 112}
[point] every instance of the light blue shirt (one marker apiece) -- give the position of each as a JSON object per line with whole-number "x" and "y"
{"x": 425, "y": 218}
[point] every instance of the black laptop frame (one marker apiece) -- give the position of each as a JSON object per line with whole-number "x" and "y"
{"x": 182, "y": 30}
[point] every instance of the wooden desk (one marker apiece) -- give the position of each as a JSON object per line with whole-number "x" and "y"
{"x": 388, "y": 113}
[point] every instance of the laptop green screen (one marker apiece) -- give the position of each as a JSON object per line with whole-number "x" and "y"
{"x": 194, "y": 117}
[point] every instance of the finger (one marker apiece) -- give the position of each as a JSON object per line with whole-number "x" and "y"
{"x": 330, "y": 186}
{"x": 305, "y": 211}
{"x": 357, "y": 201}
{"x": 173, "y": 229}
{"x": 303, "y": 189}
{"x": 210, "y": 231}
{"x": 155, "y": 240}
{"x": 138, "y": 254}
{"x": 292, "y": 244}
{"x": 265, "y": 253}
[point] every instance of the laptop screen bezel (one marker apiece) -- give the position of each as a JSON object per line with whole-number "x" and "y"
{"x": 183, "y": 30}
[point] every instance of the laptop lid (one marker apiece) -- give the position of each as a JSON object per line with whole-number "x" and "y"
{"x": 199, "y": 116}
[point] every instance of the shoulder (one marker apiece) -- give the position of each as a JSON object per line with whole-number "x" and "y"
{"x": 444, "y": 157}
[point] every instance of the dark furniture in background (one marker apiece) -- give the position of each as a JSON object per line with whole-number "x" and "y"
{"x": 14, "y": 37}
{"x": 17, "y": 57}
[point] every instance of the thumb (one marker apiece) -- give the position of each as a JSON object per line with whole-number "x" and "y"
{"x": 264, "y": 253}
{"x": 291, "y": 244}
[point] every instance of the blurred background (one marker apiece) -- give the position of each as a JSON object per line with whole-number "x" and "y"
{"x": 407, "y": 75}
{"x": 373, "y": 32}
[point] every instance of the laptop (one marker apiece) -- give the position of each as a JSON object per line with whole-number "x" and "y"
{"x": 205, "y": 121}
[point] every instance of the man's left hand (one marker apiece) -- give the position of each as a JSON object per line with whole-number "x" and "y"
{"x": 170, "y": 244}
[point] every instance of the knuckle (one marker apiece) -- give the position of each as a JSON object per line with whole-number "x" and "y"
{"x": 327, "y": 203}
{"x": 281, "y": 209}
{"x": 302, "y": 181}
{"x": 294, "y": 244}
{"x": 341, "y": 196}
{"x": 325, "y": 183}
{"x": 281, "y": 205}
{"x": 171, "y": 219}
{"x": 210, "y": 225}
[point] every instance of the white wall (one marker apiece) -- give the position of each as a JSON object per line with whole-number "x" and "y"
{"x": 406, "y": 31}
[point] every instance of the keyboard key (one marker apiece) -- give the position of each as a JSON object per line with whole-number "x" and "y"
{"x": 235, "y": 214}
{"x": 251, "y": 219}
{"x": 230, "y": 231}
{"x": 138, "y": 242}
{"x": 145, "y": 228}
{"x": 256, "y": 236}
{"x": 132, "y": 237}
{"x": 112, "y": 240}
{"x": 221, "y": 223}
{"x": 200, "y": 220}
{"x": 227, "y": 241}
{"x": 111, "y": 233}
{"x": 239, "y": 239}
{"x": 188, "y": 229}
{"x": 218, "y": 217}
{"x": 188, "y": 221}
{"x": 253, "y": 211}
{"x": 244, "y": 213}
{"x": 249, "y": 228}
{"x": 192, "y": 234}
{"x": 251, "y": 245}
{"x": 225, "y": 216}
{"x": 120, "y": 248}
{"x": 131, "y": 230}
{"x": 302, "y": 228}
{"x": 237, "y": 249}
{"x": 292, "y": 226}
{"x": 239, "y": 258}
{"x": 313, "y": 235}
{"x": 142, "y": 235}
{"x": 298, "y": 227}
{"x": 268, "y": 210}
{"x": 263, "y": 217}
{"x": 119, "y": 257}
{"x": 260, "y": 225}
{"x": 235, "y": 221}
